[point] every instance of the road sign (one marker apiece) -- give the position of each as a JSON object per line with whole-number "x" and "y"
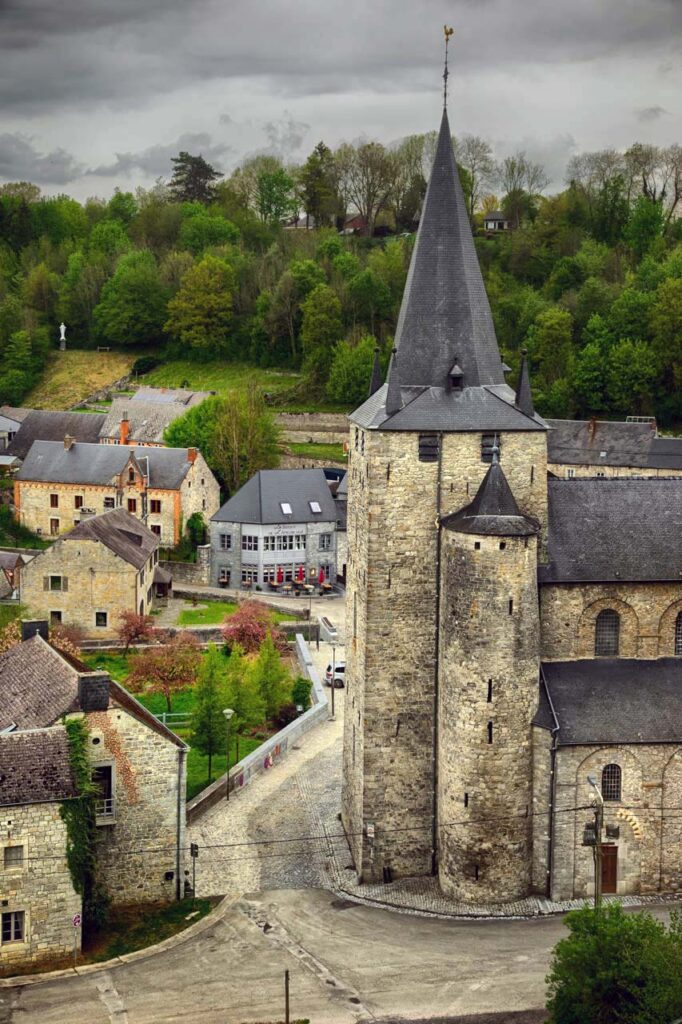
{"x": 76, "y": 920}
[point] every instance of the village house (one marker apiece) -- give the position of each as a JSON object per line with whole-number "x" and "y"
{"x": 279, "y": 528}
{"x": 495, "y": 221}
{"x": 142, "y": 419}
{"x": 60, "y": 481}
{"x": 104, "y": 566}
{"x": 11, "y": 564}
{"x": 48, "y": 425}
{"x": 605, "y": 448}
{"x": 138, "y": 767}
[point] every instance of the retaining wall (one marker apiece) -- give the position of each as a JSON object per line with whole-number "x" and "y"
{"x": 263, "y": 757}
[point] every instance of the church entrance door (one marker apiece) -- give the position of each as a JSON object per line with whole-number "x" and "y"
{"x": 609, "y": 869}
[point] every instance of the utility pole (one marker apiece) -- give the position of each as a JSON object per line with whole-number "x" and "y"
{"x": 598, "y": 825}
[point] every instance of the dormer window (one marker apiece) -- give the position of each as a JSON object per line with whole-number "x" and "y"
{"x": 456, "y": 377}
{"x": 315, "y": 506}
{"x": 285, "y": 507}
{"x": 131, "y": 475}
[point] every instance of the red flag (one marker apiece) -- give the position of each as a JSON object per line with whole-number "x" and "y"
{"x": 300, "y": 575}
{"x": 321, "y": 577}
{"x": 280, "y": 575}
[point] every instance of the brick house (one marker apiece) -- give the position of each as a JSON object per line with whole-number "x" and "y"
{"x": 105, "y": 565}
{"x": 138, "y": 766}
{"x": 161, "y": 486}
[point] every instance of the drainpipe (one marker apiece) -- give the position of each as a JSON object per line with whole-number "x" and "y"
{"x": 552, "y": 795}
{"x": 434, "y": 812}
{"x": 178, "y": 823}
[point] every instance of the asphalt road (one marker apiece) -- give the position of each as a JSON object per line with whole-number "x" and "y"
{"x": 347, "y": 962}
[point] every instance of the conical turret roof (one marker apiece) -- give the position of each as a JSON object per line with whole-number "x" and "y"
{"x": 494, "y": 510}
{"x": 445, "y": 314}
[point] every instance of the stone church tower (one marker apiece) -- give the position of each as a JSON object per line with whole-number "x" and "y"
{"x": 447, "y": 510}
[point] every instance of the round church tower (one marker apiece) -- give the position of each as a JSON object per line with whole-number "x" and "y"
{"x": 487, "y": 695}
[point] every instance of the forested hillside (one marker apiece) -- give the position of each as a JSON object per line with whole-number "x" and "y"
{"x": 589, "y": 280}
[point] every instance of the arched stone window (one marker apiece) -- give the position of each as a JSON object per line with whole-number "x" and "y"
{"x": 607, "y": 633}
{"x": 611, "y": 782}
{"x": 678, "y": 634}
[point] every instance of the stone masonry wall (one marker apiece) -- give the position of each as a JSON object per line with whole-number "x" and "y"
{"x": 199, "y": 492}
{"x": 650, "y": 853}
{"x": 42, "y": 887}
{"x": 391, "y": 626}
{"x": 488, "y": 695}
{"x": 542, "y": 801}
{"x": 97, "y": 581}
{"x": 566, "y": 471}
{"x": 137, "y": 847}
{"x": 648, "y": 612}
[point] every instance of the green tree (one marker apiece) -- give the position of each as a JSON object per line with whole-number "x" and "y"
{"x": 370, "y": 297}
{"x": 132, "y": 307}
{"x": 589, "y": 380}
{"x": 122, "y": 206}
{"x": 204, "y": 229}
{"x": 351, "y": 371}
{"x": 645, "y": 226}
{"x": 616, "y": 968}
{"x": 192, "y": 179}
{"x": 631, "y": 377}
{"x": 208, "y": 727}
{"x": 666, "y": 325}
{"x": 109, "y": 238}
{"x": 630, "y": 313}
{"x": 270, "y": 675}
{"x": 321, "y": 329}
{"x": 200, "y": 313}
{"x": 243, "y": 692}
{"x": 317, "y": 180}
{"x": 550, "y": 344}
{"x": 274, "y": 195}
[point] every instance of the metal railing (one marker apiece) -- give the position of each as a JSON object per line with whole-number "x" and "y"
{"x": 174, "y": 720}
{"x": 105, "y": 808}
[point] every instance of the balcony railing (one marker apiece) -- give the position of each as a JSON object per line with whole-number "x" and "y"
{"x": 105, "y": 810}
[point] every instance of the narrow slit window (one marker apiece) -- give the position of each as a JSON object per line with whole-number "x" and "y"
{"x": 511, "y": 605}
{"x": 490, "y": 732}
{"x": 490, "y": 691}
{"x": 466, "y": 799}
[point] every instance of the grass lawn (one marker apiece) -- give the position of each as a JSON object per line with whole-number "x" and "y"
{"x": 197, "y": 764}
{"x": 71, "y": 376}
{"x": 218, "y": 376}
{"x": 213, "y": 614}
{"x": 117, "y": 665}
{"x": 311, "y": 450}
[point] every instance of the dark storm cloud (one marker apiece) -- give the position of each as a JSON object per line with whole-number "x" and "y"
{"x": 651, "y": 113}
{"x": 155, "y": 161}
{"x": 21, "y": 161}
{"x": 125, "y": 52}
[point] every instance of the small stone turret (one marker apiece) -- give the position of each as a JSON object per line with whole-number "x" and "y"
{"x": 487, "y": 695}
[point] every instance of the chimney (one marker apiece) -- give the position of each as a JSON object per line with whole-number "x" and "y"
{"x": 68, "y": 442}
{"x": 124, "y": 428}
{"x": 93, "y": 691}
{"x": 191, "y": 455}
{"x": 29, "y": 628}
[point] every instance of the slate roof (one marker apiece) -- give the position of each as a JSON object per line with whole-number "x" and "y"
{"x": 259, "y": 500}
{"x": 45, "y": 425}
{"x": 37, "y": 685}
{"x": 7, "y": 424}
{"x": 147, "y": 420}
{"x": 494, "y": 511}
{"x": 665, "y": 453}
{"x": 179, "y": 396}
{"x": 18, "y": 413}
{"x": 99, "y": 464}
{"x": 35, "y": 767}
{"x": 581, "y": 442}
{"x": 10, "y": 560}
{"x": 614, "y": 529}
{"x": 122, "y": 533}
{"x": 613, "y": 700}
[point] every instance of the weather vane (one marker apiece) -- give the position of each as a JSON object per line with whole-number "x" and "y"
{"x": 447, "y": 33}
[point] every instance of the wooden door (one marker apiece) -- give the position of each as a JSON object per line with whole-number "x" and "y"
{"x": 609, "y": 869}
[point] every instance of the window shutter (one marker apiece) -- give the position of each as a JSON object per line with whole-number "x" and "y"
{"x": 65, "y": 582}
{"x": 46, "y": 582}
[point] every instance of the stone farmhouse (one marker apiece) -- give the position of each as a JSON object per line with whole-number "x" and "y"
{"x": 141, "y": 419}
{"x": 279, "y": 527}
{"x": 577, "y": 448}
{"x": 508, "y": 632}
{"x": 138, "y": 766}
{"x": 161, "y": 486}
{"x": 105, "y": 565}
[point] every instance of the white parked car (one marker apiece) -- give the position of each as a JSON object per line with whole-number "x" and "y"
{"x": 339, "y": 674}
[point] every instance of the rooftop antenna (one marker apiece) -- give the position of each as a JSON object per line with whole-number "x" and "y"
{"x": 447, "y": 33}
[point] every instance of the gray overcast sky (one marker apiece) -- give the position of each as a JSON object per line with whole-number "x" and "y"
{"x": 97, "y": 93}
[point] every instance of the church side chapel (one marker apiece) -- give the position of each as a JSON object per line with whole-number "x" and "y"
{"x": 509, "y": 633}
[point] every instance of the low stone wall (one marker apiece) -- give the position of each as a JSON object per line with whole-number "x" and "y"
{"x": 263, "y": 757}
{"x": 322, "y": 422}
{"x": 195, "y": 574}
{"x": 305, "y": 462}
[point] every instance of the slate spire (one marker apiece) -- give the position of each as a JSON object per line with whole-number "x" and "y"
{"x": 394, "y": 400}
{"x": 524, "y": 395}
{"x": 445, "y": 314}
{"x": 376, "y": 380}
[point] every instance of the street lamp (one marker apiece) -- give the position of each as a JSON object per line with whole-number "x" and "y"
{"x": 228, "y": 712}
{"x": 598, "y": 800}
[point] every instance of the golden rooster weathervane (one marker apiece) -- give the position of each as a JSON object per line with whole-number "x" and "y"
{"x": 447, "y": 32}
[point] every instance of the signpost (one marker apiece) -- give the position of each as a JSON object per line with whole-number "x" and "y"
{"x": 194, "y": 853}
{"x": 76, "y": 921}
